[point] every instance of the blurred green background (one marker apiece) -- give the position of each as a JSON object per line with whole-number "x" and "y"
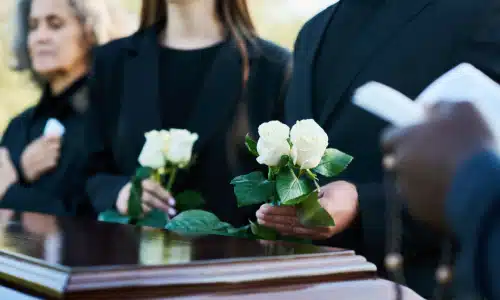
{"x": 277, "y": 20}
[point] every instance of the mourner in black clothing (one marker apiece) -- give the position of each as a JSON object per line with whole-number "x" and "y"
{"x": 203, "y": 69}
{"x": 450, "y": 169}
{"x": 405, "y": 44}
{"x": 45, "y": 171}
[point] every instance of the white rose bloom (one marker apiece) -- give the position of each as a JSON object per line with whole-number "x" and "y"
{"x": 274, "y": 131}
{"x": 272, "y": 143}
{"x": 180, "y": 147}
{"x": 270, "y": 152}
{"x": 309, "y": 143}
{"x": 152, "y": 151}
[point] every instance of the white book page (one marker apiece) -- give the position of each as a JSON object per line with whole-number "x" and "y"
{"x": 466, "y": 83}
{"x": 388, "y": 104}
{"x": 462, "y": 83}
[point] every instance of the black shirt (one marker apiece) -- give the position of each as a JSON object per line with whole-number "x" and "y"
{"x": 182, "y": 74}
{"x": 61, "y": 191}
{"x": 343, "y": 27}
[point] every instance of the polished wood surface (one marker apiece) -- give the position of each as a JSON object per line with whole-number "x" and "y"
{"x": 54, "y": 257}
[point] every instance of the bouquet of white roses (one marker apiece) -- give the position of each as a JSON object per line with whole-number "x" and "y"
{"x": 295, "y": 157}
{"x": 163, "y": 154}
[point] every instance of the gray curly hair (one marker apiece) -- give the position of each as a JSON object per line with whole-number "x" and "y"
{"x": 107, "y": 19}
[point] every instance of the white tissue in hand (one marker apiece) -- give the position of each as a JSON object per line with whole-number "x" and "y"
{"x": 54, "y": 127}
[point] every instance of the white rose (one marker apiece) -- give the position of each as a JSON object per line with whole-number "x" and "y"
{"x": 152, "y": 151}
{"x": 180, "y": 147}
{"x": 272, "y": 143}
{"x": 309, "y": 143}
{"x": 274, "y": 131}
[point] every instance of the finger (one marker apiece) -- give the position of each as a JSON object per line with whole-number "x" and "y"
{"x": 51, "y": 161}
{"x": 275, "y": 219}
{"x": 52, "y": 139}
{"x": 153, "y": 201}
{"x": 283, "y": 229}
{"x": 52, "y": 147}
{"x": 391, "y": 137}
{"x": 441, "y": 109}
{"x": 146, "y": 208}
{"x": 300, "y": 231}
{"x": 317, "y": 233}
{"x": 158, "y": 191}
{"x": 4, "y": 154}
{"x": 278, "y": 210}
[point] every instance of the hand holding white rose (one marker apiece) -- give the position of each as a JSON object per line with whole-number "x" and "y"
{"x": 306, "y": 145}
{"x": 163, "y": 148}
{"x": 339, "y": 199}
{"x": 153, "y": 196}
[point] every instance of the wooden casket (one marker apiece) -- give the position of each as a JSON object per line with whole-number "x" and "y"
{"x": 45, "y": 257}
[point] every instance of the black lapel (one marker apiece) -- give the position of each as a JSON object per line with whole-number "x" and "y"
{"x": 383, "y": 28}
{"x": 139, "y": 104}
{"x": 221, "y": 91}
{"x": 299, "y": 101}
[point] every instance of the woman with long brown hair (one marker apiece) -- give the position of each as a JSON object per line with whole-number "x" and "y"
{"x": 197, "y": 65}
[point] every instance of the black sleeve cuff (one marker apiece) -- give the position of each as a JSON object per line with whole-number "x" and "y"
{"x": 103, "y": 190}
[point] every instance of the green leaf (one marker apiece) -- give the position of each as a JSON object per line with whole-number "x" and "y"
{"x": 242, "y": 232}
{"x": 112, "y": 216}
{"x": 312, "y": 214}
{"x": 134, "y": 200}
{"x": 189, "y": 200}
{"x": 251, "y": 145}
{"x": 290, "y": 187}
{"x": 263, "y": 232}
{"x": 285, "y": 159}
{"x": 296, "y": 201}
{"x": 197, "y": 222}
{"x": 252, "y": 189}
{"x": 143, "y": 173}
{"x": 333, "y": 163}
{"x": 155, "y": 218}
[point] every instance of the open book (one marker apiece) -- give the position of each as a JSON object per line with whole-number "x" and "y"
{"x": 462, "y": 83}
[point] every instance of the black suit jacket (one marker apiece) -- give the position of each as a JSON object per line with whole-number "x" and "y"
{"x": 407, "y": 45}
{"x": 473, "y": 213}
{"x": 125, "y": 105}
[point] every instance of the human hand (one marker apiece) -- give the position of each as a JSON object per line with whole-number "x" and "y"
{"x": 425, "y": 157}
{"x": 339, "y": 199}
{"x": 153, "y": 196}
{"x": 40, "y": 157}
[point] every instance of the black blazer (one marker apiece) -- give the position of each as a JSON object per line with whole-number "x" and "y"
{"x": 61, "y": 191}
{"x": 407, "y": 45}
{"x": 125, "y": 105}
{"x": 475, "y": 197}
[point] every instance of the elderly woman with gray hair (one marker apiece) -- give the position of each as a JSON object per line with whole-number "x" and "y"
{"x": 42, "y": 152}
